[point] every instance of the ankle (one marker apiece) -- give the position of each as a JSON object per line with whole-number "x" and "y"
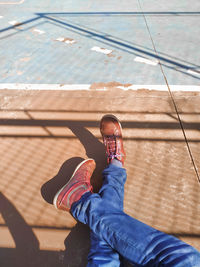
{"x": 78, "y": 193}
{"x": 116, "y": 163}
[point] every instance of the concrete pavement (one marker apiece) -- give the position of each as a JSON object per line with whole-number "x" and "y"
{"x": 44, "y": 135}
{"x": 45, "y": 42}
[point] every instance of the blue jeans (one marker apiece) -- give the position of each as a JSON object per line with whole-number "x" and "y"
{"x": 101, "y": 254}
{"x": 115, "y": 233}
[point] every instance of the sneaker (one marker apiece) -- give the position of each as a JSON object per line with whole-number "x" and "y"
{"x": 111, "y": 131}
{"x": 78, "y": 184}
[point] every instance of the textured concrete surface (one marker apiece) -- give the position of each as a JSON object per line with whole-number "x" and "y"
{"x": 29, "y": 52}
{"x": 44, "y": 135}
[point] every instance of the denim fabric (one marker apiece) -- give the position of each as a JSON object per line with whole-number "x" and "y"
{"x": 101, "y": 253}
{"x": 137, "y": 242}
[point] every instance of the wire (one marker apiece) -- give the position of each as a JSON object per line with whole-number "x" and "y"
{"x": 172, "y": 98}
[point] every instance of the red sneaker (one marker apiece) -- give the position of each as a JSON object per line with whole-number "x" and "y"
{"x": 111, "y": 131}
{"x": 78, "y": 184}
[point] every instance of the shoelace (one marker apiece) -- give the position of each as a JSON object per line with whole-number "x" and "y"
{"x": 110, "y": 142}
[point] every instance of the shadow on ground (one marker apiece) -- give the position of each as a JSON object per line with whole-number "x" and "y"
{"x": 27, "y": 245}
{"x": 77, "y": 242}
{"x": 165, "y": 151}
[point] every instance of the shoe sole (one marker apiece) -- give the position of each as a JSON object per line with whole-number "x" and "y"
{"x": 57, "y": 194}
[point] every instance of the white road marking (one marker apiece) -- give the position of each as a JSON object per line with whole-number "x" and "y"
{"x": 66, "y": 40}
{"x": 70, "y": 41}
{"x": 19, "y": 86}
{"x": 146, "y": 61}
{"x": 38, "y": 31}
{"x": 60, "y": 39}
{"x": 101, "y": 50}
{"x": 12, "y": 3}
{"x": 14, "y": 22}
{"x": 74, "y": 87}
{"x": 193, "y": 72}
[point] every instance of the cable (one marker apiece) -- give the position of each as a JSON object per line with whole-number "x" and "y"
{"x": 172, "y": 98}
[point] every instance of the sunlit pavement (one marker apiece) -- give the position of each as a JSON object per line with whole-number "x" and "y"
{"x": 45, "y": 134}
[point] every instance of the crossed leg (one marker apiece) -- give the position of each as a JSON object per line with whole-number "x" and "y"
{"x": 112, "y": 192}
{"x": 114, "y": 232}
{"x": 137, "y": 242}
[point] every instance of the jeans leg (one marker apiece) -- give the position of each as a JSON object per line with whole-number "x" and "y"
{"x": 137, "y": 242}
{"x": 101, "y": 253}
{"x": 112, "y": 191}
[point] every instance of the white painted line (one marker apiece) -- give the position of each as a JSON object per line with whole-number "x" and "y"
{"x": 68, "y": 87}
{"x": 12, "y": 3}
{"x": 38, "y": 31}
{"x": 70, "y": 41}
{"x": 14, "y": 22}
{"x": 193, "y": 72}
{"x": 60, "y": 39}
{"x": 88, "y": 87}
{"x": 66, "y": 40}
{"x": 101, "y": 50}
{"x": 146, "y": 61}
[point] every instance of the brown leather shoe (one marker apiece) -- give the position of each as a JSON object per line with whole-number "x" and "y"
{"x": 78, "y": 185}
{"x": 111, "y": 131}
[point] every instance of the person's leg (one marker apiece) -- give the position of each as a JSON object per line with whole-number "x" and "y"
{"x": 112, "y": 192}
{"x": 101, "y": 254}
{"x": 78, "y": 186}
{"x": 141, "y": 244}
{"x": 137, "y": 242}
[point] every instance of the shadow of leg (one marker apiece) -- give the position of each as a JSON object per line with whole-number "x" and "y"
{"x": 94, "y": 149}
{"x": 27, "y": 245}
{"x": 78, "y": 241}
{"x": 49, "y": 189}
{"x": 77, "y": 246}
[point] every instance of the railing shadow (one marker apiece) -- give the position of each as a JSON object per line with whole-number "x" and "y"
{"x": 119, "y": 44}
{"x": 27, "y": 245}
{"x": 168, "y": 61}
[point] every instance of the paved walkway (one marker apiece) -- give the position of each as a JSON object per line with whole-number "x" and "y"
{"x": 45, "y": 134}
{"x": 83, "y": 43}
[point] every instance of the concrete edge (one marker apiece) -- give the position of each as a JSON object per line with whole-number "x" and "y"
{"x": 88, "y": 87}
